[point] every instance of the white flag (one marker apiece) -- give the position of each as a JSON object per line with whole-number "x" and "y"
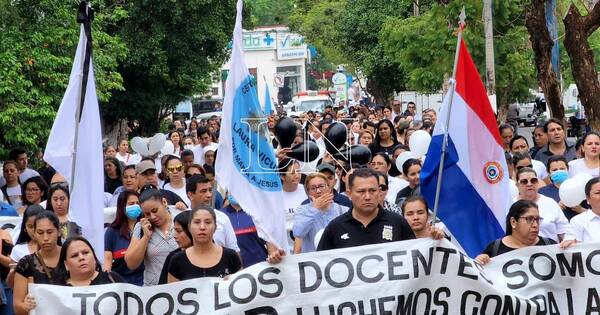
{"x": 86, "y": 206}
{"x": 246, "y": 164}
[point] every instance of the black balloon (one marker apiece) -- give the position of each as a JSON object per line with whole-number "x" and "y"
{"x": 285, "y": 131}
{"x": 357, "y": 153}
{"x": 336, "y": 134}
{"x": 307, "y": 151}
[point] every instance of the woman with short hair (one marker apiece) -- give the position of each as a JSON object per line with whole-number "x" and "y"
{"x": 523, "y": 223}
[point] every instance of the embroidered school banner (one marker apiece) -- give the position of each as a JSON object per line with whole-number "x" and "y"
{"x": 411, "y": 277}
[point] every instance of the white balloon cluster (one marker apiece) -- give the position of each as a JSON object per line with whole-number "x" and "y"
{"x": 572, "y": 191}
{"x": 419, "y": 142}
{"x": 150, "y": 146}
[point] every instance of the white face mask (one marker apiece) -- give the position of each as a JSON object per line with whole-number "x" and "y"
{"x": 188, "y": 146}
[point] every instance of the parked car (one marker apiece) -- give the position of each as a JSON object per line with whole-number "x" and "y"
{"x": 308, "y": 101}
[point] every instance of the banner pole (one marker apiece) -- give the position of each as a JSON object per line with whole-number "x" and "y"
{"x": 84, "y": 16}
{"x": 461, "y": 26}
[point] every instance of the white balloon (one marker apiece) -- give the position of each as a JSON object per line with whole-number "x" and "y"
{"x": 419, "y": 142}
{"x": 514, "y": 191}
{"x": 403, "y": 157}
{"x": 140, "y": 146}
{"x": 571, "y": 193}
{"x": 157, "y": 143}
{"x": 168, "y": 148}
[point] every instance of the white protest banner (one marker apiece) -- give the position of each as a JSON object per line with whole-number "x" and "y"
{"x": 410, "y": 277}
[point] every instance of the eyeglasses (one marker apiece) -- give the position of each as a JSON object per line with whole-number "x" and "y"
{"x": 318, "y": 187}
{"x": 531, "y": 219}
{"x": 383, "y": 187}
{"x": 524, "y": 166}
{"x": 526, "y": 181}
{"x": 174, "y": 169}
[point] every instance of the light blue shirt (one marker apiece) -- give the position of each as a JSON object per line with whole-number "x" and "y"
{"x": 309, "y": 220}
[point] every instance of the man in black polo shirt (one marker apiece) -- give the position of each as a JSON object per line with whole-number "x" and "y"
{"x": 366, "y": 223}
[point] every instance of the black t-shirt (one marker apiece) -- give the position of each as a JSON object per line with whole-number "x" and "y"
{"x": 32, "y": 266}
{"x": 111, "y": 184}
{"x": 164, "y": 273}
{"x": 182, "y": 268}
{"x": 102, "y": 278}
{"x": 376, "y": 148}
{"x": 502, "y": 248}
{"x": 346, "y": 231}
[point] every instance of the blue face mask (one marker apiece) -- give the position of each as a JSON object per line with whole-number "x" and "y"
{"x": 133, "y": 212}
{"x": 559, "y": 176}
{"x": 232, "y": 200}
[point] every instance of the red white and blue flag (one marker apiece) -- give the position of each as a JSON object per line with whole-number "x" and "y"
{"x": 475, "y": 195}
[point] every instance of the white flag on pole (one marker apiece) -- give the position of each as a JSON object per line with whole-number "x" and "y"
{"x": 86, "y": 206}
{"x": 246, "y": 165}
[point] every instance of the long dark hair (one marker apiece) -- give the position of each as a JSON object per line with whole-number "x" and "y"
{"x": 184, "y": 218}
{"x": 53, "y": 189}
{"x": 40, "y": 183}
{"x": 50, "y": 216}
{"x": 117, "y": 165}
{"x": 377, "y": 140}
{"x": 31, "y": 211}
{"x": 517, "y": 210}
{"x": 120, "y": 223}
{"x": 62, "y": 272}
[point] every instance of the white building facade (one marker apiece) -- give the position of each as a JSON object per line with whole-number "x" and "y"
{"x": 276, "y": 58}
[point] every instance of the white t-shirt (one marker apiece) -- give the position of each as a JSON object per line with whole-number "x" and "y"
{"x": 585, "y": 227}
{"x": 19, "y": 251}
{"x": 180, "y": 192}
{"x": 225, "y": 235}
{"x": 578, "y": 166}
{"x": 395, "y": 185}
{"x": 13, "y": 196}
{"x": 128, "y": 159}
{"x": 554, "y": 220}
{"x": 540, "y": 169}
{"x": 291, "y": 201}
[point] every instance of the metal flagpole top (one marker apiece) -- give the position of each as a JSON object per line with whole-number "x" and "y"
{"x": 461, "y": 26}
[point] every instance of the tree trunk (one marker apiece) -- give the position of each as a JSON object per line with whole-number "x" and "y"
{"x": 535, "y": 21}
{"x": 577, "y": 30}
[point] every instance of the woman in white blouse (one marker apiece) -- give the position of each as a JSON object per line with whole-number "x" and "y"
{"x": 590, "y": 163}
{"x": 554, "y": 224}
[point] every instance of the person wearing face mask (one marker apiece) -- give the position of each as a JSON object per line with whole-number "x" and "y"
{"x": 118, "y": 236}
{"x": 559, "y": 172}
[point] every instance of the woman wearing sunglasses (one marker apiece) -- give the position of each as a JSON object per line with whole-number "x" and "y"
{"x": 175, "y": 180}
{"x": 523, "y": 227}
{"x": 554, "y": 224}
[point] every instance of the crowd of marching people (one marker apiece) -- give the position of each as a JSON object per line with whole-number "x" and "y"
{"x": 174, "y": 222}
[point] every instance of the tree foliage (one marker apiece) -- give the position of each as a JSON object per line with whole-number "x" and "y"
{"x": 425, "y": 46}
{"x": 174, "y": 48}
{"x": 270, "y": 12}
{"x": 37, "y": 46}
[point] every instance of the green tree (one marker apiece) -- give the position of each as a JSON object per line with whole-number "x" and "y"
{"x": 270, "y": 12}
{"x": 174, "y": 48}
{"x": 37, "y": 46}
{"x": 425, "y": 46}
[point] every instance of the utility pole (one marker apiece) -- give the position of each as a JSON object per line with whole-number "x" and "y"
{"x": 488, "y": 25}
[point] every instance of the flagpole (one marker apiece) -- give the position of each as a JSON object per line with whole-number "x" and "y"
{"x": 84, "y": 16}
{"x": 438, "y": 188}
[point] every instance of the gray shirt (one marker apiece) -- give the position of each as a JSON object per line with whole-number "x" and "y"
{"x": 544, "y": 153}
{"x": 158, "y": 249}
